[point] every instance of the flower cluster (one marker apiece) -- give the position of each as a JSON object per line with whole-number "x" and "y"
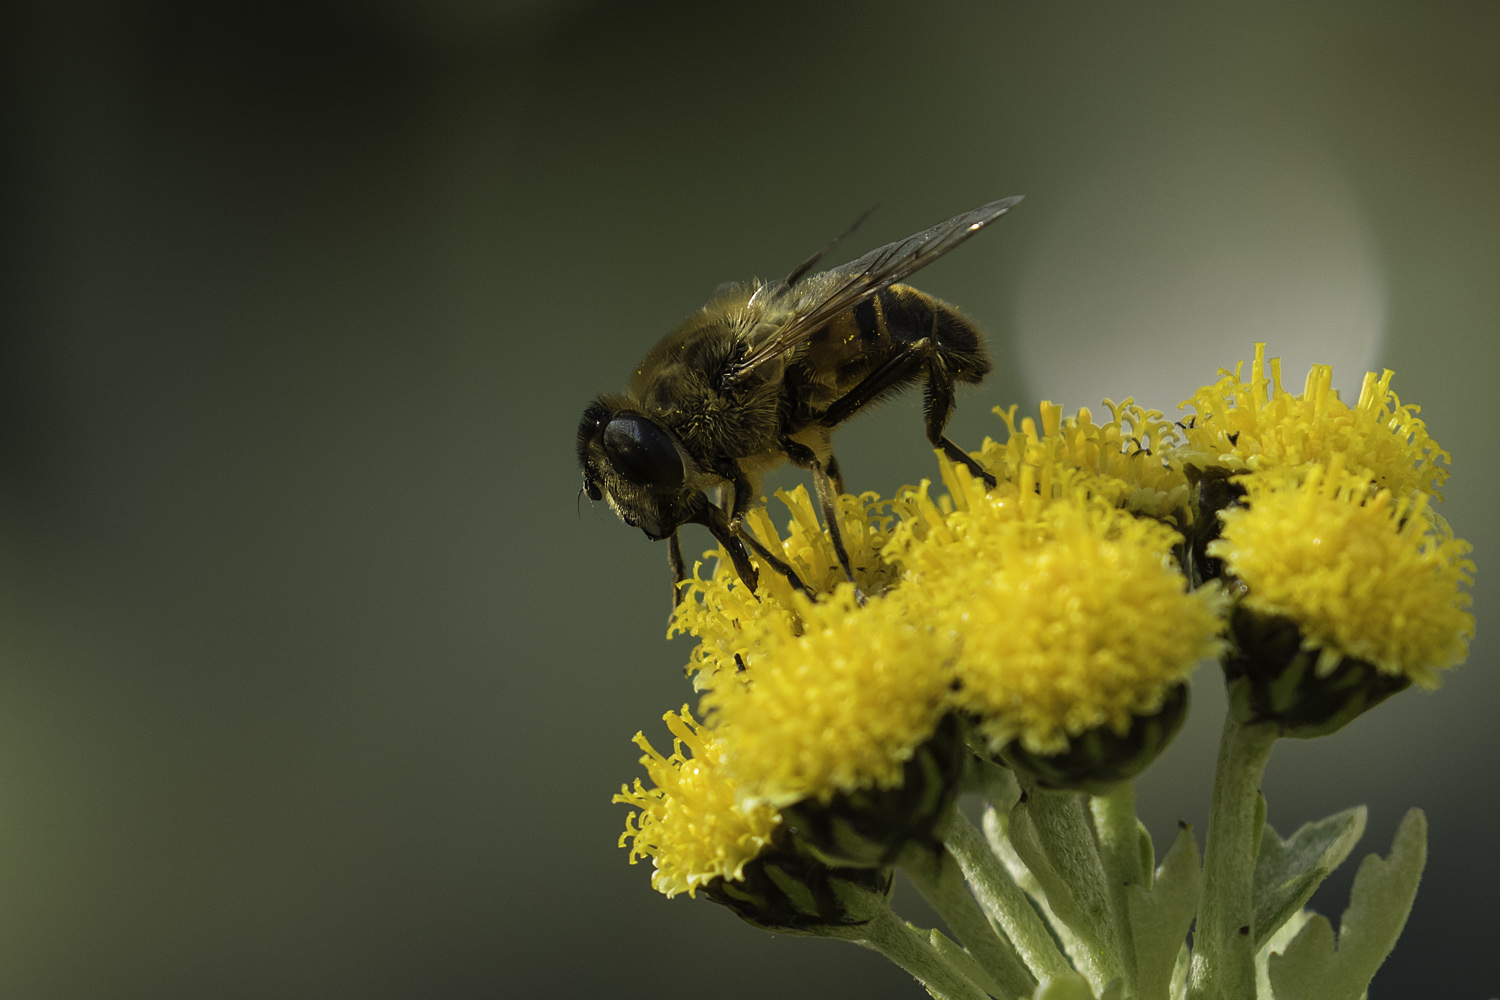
{"x": 1032, "y": 639}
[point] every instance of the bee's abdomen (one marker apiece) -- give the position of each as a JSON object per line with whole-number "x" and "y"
{"x": 897, "y": 320}
{"x": 909, "y": 316}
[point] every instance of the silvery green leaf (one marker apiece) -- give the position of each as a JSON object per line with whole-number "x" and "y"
{"x": 950, "y": 951}
{"x": 1315, "y": 967}
{"x": 1161, "y": 915}
{"x": 1180, "y": 973}
{"x": 1276, "y": 945}
{"x": 1066, "y": 987}
{"x": 1288, "y": 871}
{"x": 1051, "y": 837}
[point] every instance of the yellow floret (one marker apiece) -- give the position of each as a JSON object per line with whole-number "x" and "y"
{"x": 1362, "y": 573}
{"x": 1258, "y": 425}
{"x": 692, "y": 823}
{"x": 838, "y": 707}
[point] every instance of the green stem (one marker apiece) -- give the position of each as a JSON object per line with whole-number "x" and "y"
{"x": 1005, "y": 901}
{"x": 1223, "y": 945}
{"x": 939, "y": 879}
{"x": 1117, "y": 829}
{"x": 897, "y": 941}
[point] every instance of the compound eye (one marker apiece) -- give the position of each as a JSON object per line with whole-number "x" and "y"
{"x": 642, "y": 453}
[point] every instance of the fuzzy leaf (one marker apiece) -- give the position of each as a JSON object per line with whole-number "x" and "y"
{"x": 1050, "y": 836}
{"x": 1160, "y": 916}
{"x": 1071, "y": 986}
{"x": 950, "y": 951}
{"x": 1288, "y": 871}
{"x": 1314, "y": 967}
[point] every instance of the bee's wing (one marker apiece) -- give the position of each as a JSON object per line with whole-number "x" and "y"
{"x": 814, "y": 301}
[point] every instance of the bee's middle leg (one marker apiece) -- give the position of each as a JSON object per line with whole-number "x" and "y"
{"x": 828, "y": 500}
{"x": 829, "y": 483}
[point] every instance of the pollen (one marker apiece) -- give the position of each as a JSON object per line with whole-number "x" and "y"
{"x": 837, "y": 706}
{"x": 691, "y": 824}
{"x": 1069, "y": 613}
{"x": 1255, "y": 425}
{"x": 1362, "y": 572}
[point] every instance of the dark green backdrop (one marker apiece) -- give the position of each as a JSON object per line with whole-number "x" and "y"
{"x": 314, "y": 682}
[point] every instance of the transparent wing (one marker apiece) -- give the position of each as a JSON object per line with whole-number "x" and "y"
{"x": 814, "y": 301}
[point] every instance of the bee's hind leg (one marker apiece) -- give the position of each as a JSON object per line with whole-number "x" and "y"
{"x": 938, "y": 400}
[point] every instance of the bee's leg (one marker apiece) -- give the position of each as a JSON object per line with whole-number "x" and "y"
{"x": 828, "y": 500}
{"x": 804, "y": 457}
{"x": 938, "y": 403}
{"x": 679, "y": 568}
{"x": 832, "y": 468}
{"x": 829, "y": 483}
{"x": 737, "y": 486}
{"x": 713, "y": 519}
{"x": 771, "y": 560}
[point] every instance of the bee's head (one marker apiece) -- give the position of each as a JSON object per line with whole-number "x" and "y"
{"x": 638, "y": 466}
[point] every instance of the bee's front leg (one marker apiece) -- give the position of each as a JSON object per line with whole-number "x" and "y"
{"x": 679, "y": 568}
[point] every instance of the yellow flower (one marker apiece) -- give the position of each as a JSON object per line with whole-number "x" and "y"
{"x": 1071, "y": 613}
{"x": 1362, "y": 573}
{"x": 1258, "y": 425}
{"x": 729, "y": 619}
{"x": 692, "y": 823}
{"x": 1120, "y": 460}
{"x": 835, "y": 706}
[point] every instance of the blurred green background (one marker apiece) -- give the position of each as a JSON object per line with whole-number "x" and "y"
{"x": 314, "y": 680}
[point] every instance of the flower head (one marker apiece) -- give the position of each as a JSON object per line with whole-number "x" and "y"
{"x": 1257, "y": 425}
{"x": 836, "y": 705}
{"x": 1361, "y": 573}
{"x": 1072, "y": 613}
{"x": 1119, "y": 460}
{"x": 692, "y": 824}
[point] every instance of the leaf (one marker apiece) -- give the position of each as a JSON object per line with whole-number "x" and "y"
{"x": 950, "y": 951}
{"x": 1315, "y": 967}
{"x": 1051, "y": 837}
{"x": 1160, "y": 916}
{"x": 1070, "y": 986}
{"x": 1287, "y": 872}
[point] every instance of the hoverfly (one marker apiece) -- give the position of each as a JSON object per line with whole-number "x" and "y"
{"x": 762, "y": 375}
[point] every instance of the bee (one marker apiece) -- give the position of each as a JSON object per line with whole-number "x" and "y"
{"x": 763, "y": 374}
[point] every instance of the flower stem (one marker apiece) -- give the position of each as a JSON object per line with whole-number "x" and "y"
{"x": 1118, "y": 832}
{"x": 1004, "y": 900}
{"x": 897, "y": 941}
{"x": 1223, "y": 945}
{"x": 939, "y": 879}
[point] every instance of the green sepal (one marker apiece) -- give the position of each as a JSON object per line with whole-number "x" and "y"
{"x": 789, "y": 892}
{"x": 1161, "y": 915}
{"x": 1272, "y": 676}
{"x": 1315, "y": 967}
{"x": 1099, "y": 758}
{"x": 874, "y": 827}
{"x": 1287, "y": 872}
